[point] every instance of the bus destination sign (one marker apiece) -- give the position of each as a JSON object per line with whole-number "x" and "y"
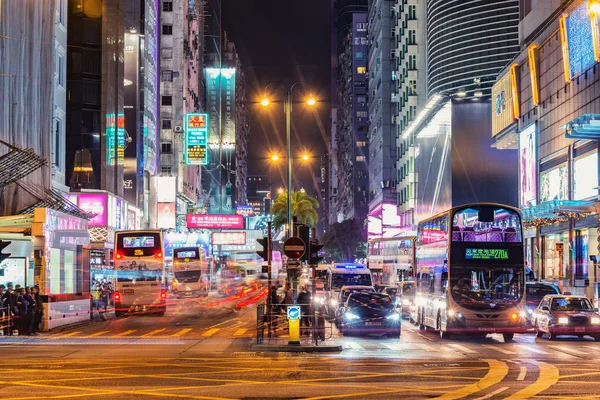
{"x": 486, "y": 254}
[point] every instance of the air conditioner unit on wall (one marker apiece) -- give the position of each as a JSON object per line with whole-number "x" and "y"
{"x": 178, "y": 129}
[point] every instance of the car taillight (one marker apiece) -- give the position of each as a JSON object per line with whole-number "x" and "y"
{"x": 158, "y": 255}
{"x": 163, "y": 294}
{"x": 118, "y": 255}
{"x": 117, "y": 296}
{"x": 514, "y": 316}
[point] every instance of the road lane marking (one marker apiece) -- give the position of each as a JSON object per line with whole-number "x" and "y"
{"x": 66, "y": 335}
{"x": 495, "y": 392}
{"x": 547, "y": 378}
{"x": 497, "y": 372}
{"x": 522, "y": 373}
{"x": 496, "y": 348}
{"x": 392, "y": 346}
{"x": 425, "y": 347}
{"x": 462, "y": 348}
{"x": 182, "y": 332}
{"x": 129, "y": 332}
{"x": 355, "y": 346}
{"x": 240, "y": 332}
{"x": 530, "y": 348}
{"x": 569, "y": 350}
{"x": 154, "y": 332}
{"x": 210, "y": 332}
{"x": 95, "y": 334}
{"x": 424, "y": 337}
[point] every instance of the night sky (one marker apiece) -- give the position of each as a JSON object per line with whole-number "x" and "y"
{"x": 285, "y": 41}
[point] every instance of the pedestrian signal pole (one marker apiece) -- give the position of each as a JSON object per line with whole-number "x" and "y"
{"x": 266, "y": 254}
{"x": 313, "y": 261}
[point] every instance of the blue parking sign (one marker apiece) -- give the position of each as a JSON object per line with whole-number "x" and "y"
{"x": 293, "y": 312}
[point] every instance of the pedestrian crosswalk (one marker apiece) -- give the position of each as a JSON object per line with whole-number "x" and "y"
{"x": 181, "y": 333}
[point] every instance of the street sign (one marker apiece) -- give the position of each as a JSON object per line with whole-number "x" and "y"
{"x": 293, "y": 312}
{"x": 294, "y": 247}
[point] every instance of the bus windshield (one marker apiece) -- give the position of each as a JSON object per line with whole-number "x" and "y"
{"x": 481, "y": 287}
{"x": 139, "y": 257}
{"x": 187, "y": 276}
{"x": 339, "y": 280}
{"x": 486, "y": 224}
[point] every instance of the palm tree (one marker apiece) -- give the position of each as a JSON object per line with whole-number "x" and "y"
{"x": 303, "y": 208}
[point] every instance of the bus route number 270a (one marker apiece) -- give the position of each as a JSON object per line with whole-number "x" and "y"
{"x": 138, "y": 252}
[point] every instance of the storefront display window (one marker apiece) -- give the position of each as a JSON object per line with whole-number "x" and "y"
{"x": 585, "y": 177}
{"x": 54, "y": 270}
{"x": 69, "y": 272}
{"x": 554, "y": 184}
{"x": 552, "y": 261}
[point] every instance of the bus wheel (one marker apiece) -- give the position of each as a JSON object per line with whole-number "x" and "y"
{"x": 508, "y": 336}
{"x": 422, "y": 326}
{"x": 443, "y": 334}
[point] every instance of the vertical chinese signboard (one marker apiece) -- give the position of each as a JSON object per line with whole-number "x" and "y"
{"x": 196, "y": 137}
{"x": 121, "y": 139}
{"x": 111, "y": 124}
{"x": 228, "y": 106}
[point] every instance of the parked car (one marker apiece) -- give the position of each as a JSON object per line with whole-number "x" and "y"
{"x": 535, "y": 292}
{"x": 370, "y": 313}
{"x": 345, "y": 292}
{"x": 406, "y": 297}
{"x": 559, "y": 315}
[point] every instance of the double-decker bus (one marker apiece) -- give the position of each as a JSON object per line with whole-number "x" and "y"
{"x": 391, "y": 260}
{"x": 190, "y": 270}
{"x": 140, "y": 270}
{"x": 471, "y": 271}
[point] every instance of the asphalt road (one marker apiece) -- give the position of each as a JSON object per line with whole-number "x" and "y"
{"x": 199, "y": 350}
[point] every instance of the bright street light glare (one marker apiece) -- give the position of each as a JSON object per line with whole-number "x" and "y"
{"x": 280, "y": 190}
{"x": 302, "y": 190}
{"x": 275, "y": 157}
{"x": 265, "y": 102}
{"x": 305, "y": 157}
{"x": 595, "y": 6}
{"x": 311, "y": 101}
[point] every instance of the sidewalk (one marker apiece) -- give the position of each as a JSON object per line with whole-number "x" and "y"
{"x": 307, "y": 345}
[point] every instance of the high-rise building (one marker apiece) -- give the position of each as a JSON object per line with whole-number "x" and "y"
{"x": 348, "y": 164}
{"x": 181, "y": 54}
{"x": 410, "y": 95}
{"x": 381, "y": 137}
{"x": 59, "y": 97}
{"x": 468, "y": 43}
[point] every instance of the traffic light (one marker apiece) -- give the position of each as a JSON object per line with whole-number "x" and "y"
{"x": 3, "y": 244}
{"x": 313, "y": 250}
{"x": 265, "y": 253}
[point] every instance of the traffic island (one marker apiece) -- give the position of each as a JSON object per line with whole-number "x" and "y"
{"x": 296, "y": 348}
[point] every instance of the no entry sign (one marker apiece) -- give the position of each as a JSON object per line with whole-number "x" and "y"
{"x": 294, "y": 247}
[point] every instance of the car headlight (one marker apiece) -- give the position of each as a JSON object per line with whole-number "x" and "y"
{"x": 451, "y": 313}
{"x": 351, "y": 316}
{"x": 394, "y": 317}
{"x": 563, "y": 320}
{"x": 595, "y": 320}
{"x": 405, "y": 302}
{"x": 333, "y": 302}
{"x": 529, "y": 310}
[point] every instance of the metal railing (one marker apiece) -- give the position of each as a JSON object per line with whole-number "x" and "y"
{"x": 7, "y": 321}
{"x": 314, "y": 325}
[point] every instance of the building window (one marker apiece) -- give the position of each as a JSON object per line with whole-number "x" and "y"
{"x": 361, "y": 100}
{"x": 166, "y": 124}
{"x": 57, "y": 147}
{"x": 166, "y": 76}
{"x": 61, "y": 11}
{"x": 359, "y": 55}
{"x": 361, "y": 70}
{"x": 166, "y": 148}
{"x": 361, "y": 26}
{"x": 166, "y": 53}
{"x": 412, "y": 12}
{"x": 361, "y": 158}
{"x": 412, "y": 37}
{"x": 166, "y": 170}
{"x": 60, "y": 64}
{"x": 167, "y": 29}
{"x": 362, "y": 114}
{"x": 167, "y": 100}
{"x": 412, "y": 61}
{"x": 361, "y": 144}
{"x": 167, "y": 6}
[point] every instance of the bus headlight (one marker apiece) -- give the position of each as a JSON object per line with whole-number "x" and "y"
{"x": 350, "y": 316}
{"x": 595, "y": 320}
{"x": 333, "y": 302}
{"x": 451, "y": 313}
{"x": 522, "y": 314}
{"x": 319, "y": 300}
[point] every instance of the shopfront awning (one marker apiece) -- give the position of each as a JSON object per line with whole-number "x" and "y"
{"x": 584, "y": 127}
{"x": 48, "y": 198}
{"x": 555, "y": 211}
{"x": 18, "y": 163}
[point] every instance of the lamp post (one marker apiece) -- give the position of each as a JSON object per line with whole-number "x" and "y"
{"x": 287, "y": 108}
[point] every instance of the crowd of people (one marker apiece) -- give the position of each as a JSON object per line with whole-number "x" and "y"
{"x": 21, "y": 310}
{"x": 102, "y": 294}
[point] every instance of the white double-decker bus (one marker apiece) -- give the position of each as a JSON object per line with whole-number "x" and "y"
{"x": 471, "y": 272}
{"x": 140, "y": 270}
{"x": 190, "y": 270}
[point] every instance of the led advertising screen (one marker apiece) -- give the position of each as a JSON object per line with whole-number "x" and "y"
{"x": 215, "y": 221}
{"x": 228, "y": 238}
{"x": 167, "y": 189}
{"x": 585, "y": 177}
{"x": 554, "y": 184}
{"x": 166, "y": 215}
{"x": 94, "y": 203}
{"x": 174, "y": 240}
{"x": 486, "y": 254}
{"x": 527, "y": 166}
{"x": 580, "y": 40}
{"x": 111, "y": 139}
{"x": 196, "y": 136}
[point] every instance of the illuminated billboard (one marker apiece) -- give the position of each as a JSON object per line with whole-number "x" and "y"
{"x": 120, "y": 139}
{"x": 554, "y": 184}
{"x": 527, "y": 165}
{"x": 225, "y": 238}
{"x": 215, "y": 221}
{"x": 220, "y": 88}
{"x": 166, "y": 215}
{"x": 585, "y": 177}
{"x": 167, "y": 189}
{"x": 111, "y": 138}
{"x": 196, "y": 137}
{"x": 577, "y": 40}
{"x": 94, "y": 203}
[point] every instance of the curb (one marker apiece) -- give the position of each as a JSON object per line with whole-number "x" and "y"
{"x": 296, "y": 348}
{"x": 81, "y": 324}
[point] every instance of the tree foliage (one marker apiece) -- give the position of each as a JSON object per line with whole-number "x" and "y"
{"x": 303, "y": 208}
{"x": 345, "y": 241}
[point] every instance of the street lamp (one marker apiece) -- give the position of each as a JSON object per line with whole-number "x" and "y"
{"x": 274, "y": 157}
{"x": 287, "y": 108}
{"x": 594, "y": 6}
{"x": 305, "y": 157}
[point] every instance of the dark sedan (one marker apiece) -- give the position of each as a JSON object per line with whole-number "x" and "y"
{"x": 370, "y": 313}
{"x": 566, "y": 315}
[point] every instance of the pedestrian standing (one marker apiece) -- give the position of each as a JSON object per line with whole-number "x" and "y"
{"x": 30, "y": 309}
{"x": 38, "y": 310}
{"x": 287, "y": 298}
{"x": 304, "y": 302}
{"x": 21, "y": 313}
{"x": 10, "y": 302}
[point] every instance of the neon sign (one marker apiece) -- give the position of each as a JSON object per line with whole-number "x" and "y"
{"x": 196, "y": 138}
{"x": 486, "y": 254}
